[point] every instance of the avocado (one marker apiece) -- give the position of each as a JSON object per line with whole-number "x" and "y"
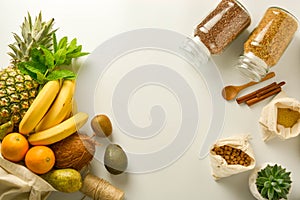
{"x": 115, "y": 159}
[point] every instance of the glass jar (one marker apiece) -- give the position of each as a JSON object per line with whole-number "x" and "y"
{"x": 267, "y": 43}
{"x": 216, "y": 31}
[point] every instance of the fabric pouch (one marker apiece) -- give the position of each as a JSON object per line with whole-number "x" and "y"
{"x": 269, "y": 119}
{"x": 220, "y": 168}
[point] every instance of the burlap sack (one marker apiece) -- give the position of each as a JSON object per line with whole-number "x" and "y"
{"x": 268, "y": 119}
{"x": 219, "y": 166}
{"x": 19, "y": 183}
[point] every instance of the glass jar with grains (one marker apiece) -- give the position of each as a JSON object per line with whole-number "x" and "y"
{"x": 267, "y": 43}
{"x": 216, "y": 31}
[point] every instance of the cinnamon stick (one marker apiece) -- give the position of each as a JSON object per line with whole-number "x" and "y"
{"x": 260, "y": 98}
{"x": 252, "y": 95}
{"x": 270, "y": 89}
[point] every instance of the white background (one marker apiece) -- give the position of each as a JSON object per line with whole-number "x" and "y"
{"x": 93, "y": 22}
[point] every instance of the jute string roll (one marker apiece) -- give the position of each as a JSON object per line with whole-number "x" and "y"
{"x": 100, "y": 189}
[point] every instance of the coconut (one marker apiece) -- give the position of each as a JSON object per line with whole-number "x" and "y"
{"x": 75, "y": 151}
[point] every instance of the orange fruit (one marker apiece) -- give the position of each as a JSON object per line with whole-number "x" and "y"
{"x": 14, "y": 147}
{"x": 40, "y": 159}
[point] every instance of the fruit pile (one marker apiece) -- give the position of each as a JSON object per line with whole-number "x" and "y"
{"x": 48, "y": 120}
{"x": 37, "y": 96}
{"x": 38, "y": 125}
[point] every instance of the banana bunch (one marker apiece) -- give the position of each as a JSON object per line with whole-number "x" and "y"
{"x": 49, "y": 119}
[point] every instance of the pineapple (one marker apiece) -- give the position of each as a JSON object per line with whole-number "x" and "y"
{"x": 273, "y": 182}
{"x": 33, "y": 35}
{"x": 18, "y": 90}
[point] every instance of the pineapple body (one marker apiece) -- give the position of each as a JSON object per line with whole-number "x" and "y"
{"x": 17, "y": 92}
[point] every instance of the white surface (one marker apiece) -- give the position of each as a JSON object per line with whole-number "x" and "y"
{"x": 93, "y": 22}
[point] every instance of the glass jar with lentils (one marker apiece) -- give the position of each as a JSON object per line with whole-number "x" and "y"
{"x": 217, "y": 30}
{"x": 267, "y": 43}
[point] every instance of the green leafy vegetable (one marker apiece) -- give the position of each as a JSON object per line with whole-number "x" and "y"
{"x": 45, "y": 63}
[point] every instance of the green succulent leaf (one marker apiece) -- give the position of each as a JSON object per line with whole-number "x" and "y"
{"x": 285, "y": 185}
{"x": 280, "y": 181}
{"x": 261, "y": 180}
{"x": 277, "y": 189}
{"x": 273, "y": 182}
{"x": 264, "y": 192}
{"x": 268, "y": 171}
{"x": 270, "y": 193}
{"x": 267, "y": 184}
{"x": 274, "y": 169}
{"x": 283, "y": 195}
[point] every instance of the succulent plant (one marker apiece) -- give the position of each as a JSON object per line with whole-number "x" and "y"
{"x": 273, "y": 182}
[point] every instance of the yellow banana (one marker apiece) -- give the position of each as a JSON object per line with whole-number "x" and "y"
{"x": 6, "y": 128}
{"x": 39, "y": 107}
{"x": 60, "y": 108}
{"x": 70, "y": 110}
{"x": 74, "y": 106}
{"x": 59, "y": 131}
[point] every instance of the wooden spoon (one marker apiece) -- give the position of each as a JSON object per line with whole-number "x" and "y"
{"x": 230, "y": 92}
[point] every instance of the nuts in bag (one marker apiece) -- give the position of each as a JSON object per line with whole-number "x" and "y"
{"x": 231, "y": 156}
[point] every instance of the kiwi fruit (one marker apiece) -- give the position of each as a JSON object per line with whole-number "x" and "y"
{"x": 101, "y": 125}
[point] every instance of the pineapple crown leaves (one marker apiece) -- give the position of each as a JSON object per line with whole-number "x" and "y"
{"x": 273, "y": 182}
{"x": 33, "y": 34}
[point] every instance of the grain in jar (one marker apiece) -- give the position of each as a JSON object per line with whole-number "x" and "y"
{"x": 217, "y": 30}
{"x": 267, "y": 43}
{"x": 222, "y": 25}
